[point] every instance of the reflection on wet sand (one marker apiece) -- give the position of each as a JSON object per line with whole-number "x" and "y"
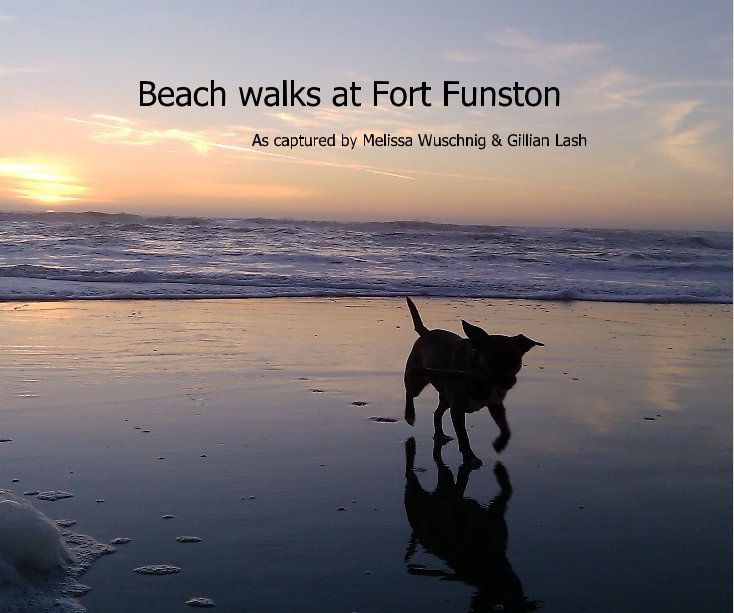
{"x": 471, "y": 538}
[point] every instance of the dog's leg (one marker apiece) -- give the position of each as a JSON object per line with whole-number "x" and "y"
{"x": 412, "y": 491}
{"x": 439, "y": 437}
{"x": 497, "y": 411}
{"x": 409, "y": 455}
{"x": 503, "y": 480}
{"x": 409, "y": 409}
{"x": 458, "y": 418}
{"x": 413, "y": 386}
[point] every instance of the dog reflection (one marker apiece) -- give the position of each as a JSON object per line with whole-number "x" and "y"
{"x": 471, "y": 538}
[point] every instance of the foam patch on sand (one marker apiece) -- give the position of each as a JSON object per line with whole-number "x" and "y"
{"x": 158, "y": 569}
{"x": 39, "y": 563}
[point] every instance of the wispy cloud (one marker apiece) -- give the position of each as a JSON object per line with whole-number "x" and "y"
{"x": 611, "y": 89}
{"x": 614, "y": 88}
{"x": 543, "y": 53}
{"x": 688, "y": 148}
{"x": 671, "y": 117}
{"x": 345, "y": 119}
{"x": 464, "y": 57}
{"x": 123, "y": 131}
{"x": 523, "y": 48}
{"x": 290, "y": 119}
{"x": 202, "y": 143}
{"x": 7, "y": 71}
{"x": 676, "y": 112}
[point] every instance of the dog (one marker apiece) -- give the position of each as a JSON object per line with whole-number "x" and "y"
{"x": 468, "y": 373}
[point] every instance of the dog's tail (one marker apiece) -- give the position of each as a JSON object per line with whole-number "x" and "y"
{"x": 417, "y": 323}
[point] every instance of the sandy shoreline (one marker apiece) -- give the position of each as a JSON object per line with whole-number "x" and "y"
{"x": 250, "y": 422}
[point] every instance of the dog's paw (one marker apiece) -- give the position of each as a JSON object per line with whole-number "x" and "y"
{"x": 503, "y": 479}
{"x": 442, "y": 439}
{"x": 500, "y": 443}
{"x": 500, "y": 472}
{"x": 473, "y": 462}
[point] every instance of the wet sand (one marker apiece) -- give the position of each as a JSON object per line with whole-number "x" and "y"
{"x": 252, "y": 423}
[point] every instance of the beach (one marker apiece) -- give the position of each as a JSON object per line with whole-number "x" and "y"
{"x": 272, "y": 430}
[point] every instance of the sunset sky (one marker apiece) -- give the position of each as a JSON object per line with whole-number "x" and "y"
{"x": 649, "y": 84}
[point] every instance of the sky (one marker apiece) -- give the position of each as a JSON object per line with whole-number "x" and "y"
{"x": 648, "y": 84}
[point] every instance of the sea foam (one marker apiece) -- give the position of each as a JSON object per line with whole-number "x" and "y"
{"x": 39, "y": 563}
{"x": 29, "y": 541}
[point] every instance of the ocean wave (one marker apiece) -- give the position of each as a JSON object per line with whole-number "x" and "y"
{"x": 38, "y": 284}
{"x": 120, "y": 255}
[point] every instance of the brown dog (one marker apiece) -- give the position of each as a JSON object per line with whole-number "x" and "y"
{"x": 468, "y": 373}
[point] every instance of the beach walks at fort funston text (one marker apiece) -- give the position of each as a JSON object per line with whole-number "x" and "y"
{"x": 290, "y": 94}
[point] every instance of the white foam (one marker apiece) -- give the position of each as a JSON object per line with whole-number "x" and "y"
{"x": 201, "y": 602}
{"x": 29, "y": 541}
{"x": 158, "y": 569}
{"x": 53, "y": 495}
{"x": 188, "y": 539}
{"x": 40, "y": 564}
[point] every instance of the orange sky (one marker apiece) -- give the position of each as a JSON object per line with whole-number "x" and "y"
{"x": 658, "y": 131}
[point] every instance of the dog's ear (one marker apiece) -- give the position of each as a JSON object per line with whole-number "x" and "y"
{"x": 475, "y": 334}
{"x": 526, "y": 344}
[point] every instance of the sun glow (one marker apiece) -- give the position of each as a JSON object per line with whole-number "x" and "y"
{"x": 39, "y": 181}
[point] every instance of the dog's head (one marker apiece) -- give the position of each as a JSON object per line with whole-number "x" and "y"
{"x": 498, "y": 358}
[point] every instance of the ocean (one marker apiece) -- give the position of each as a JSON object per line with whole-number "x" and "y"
{"x": 91, "y": 255}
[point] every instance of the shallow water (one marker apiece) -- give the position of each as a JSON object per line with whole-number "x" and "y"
{"x": 237, "y": 418}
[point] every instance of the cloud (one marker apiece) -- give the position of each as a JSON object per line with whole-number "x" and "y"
{"x": 115, "y": 119}
{"x": 464, "y": 57}
{"x": 612, "y": 89}
{"x": 674, "y": 118}
{"x": 294, "y": 120}
{"x": 520, "y": 47}
{"x": 543, "y": 54}
{"x": 676, "y": 112}
{"x": 615, "y": 88}
{"x": 119, "y": 130}
{"x": 123, "y": 131}
{"x": 669, "y": 117}
{"x": 8, "y": 71}
{"x": 691, "y": 149}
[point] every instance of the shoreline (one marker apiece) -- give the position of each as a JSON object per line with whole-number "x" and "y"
{"x": 346, "y": 296}
{"x": 272, "y": 430}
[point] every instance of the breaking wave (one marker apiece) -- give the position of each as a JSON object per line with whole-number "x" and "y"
{"x": 106, "y": 255}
